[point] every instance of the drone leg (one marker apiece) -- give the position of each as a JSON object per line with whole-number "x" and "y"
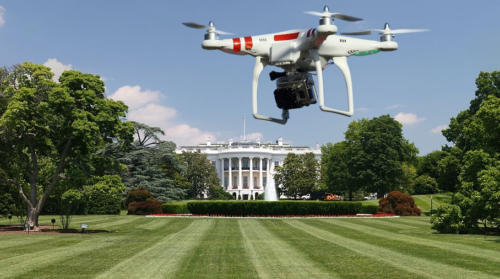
{"x": 341, "y": 62}
{"x": 260, "y": 63}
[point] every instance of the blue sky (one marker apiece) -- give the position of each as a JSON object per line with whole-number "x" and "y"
{"x": 154, "y": 63}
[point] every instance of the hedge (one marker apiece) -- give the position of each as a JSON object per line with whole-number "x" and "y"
{"x": 274, "y": 208}
{"x": 175, "y": 208}
{"x": 369, "y": 209}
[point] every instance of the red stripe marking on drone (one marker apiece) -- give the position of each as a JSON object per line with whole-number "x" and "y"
{"x": 236, "y": 45}
{"x": 286, "y": 37}
{"x": 248, "y": 43}
{"x": 313, "y": 32}
{"x": 309, "y": 32}
{"x": 319, "y": 40}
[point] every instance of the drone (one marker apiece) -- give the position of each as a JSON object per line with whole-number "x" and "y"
{"x": 299, "y": 52}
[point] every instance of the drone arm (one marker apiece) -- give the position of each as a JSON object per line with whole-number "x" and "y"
{"x": 341, "y": 62}
{"x": 260, "y": 63}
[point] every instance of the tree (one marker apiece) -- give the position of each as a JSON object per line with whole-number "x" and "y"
{"x": 337, "y": 169}
{"x": 299, "y": 174}
{"x": 425, "y": 184}
{"x": 429, "y": 164}
{"x": 200, "y": 173}
{"x": 377, "y": 150}
{"x": 475, "y": 133}
{"x": 63, "y": 123}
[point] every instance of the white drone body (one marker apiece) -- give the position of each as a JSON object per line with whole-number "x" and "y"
{"x": 298, "y": 52}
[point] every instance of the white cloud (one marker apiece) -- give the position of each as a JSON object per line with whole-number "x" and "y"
{"x": 395, "y": 106}
{"x": 145, "y": 107}
{"x": 408, "y": 118}
{"x": 57, "y": 68}
{"x": 438, "y": 129}
{"x": 135, "y": 98}
{"x": 362, "y": 109}
{"x": 2, "y": 19}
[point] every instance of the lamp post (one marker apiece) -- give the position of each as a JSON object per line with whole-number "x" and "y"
{"x": 431, "y": 205}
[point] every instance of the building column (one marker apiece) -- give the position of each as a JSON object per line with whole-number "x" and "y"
{"x": 268, "y": 167}
{"x": 251, "y": 173}
{"x": 240, "y": 174}
{"x": 222, "y": 173}
{"x": 230, "y": 180}
{"x": 260, "y": 173}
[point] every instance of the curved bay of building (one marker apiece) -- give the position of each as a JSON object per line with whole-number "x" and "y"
{"x": 245, "y": 167}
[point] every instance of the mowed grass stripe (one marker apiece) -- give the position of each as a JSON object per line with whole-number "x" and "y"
{"x": 464, "y": 250}
{"x": 411, "y": 264}
{"x": 219, "y": 254}
{"x": 16, "y": 266}
{"x": 274, "y": 258}
{"x": 16, "y": 241}
{"x": 332, "y": 257}
{"x": 392, "y": 223}
{"x": 164, "y": 257}
{"x": 154, "y": 223}
{"x": 93, "y": 263}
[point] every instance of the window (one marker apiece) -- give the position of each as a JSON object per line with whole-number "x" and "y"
{"x": 264, "y": 181}
{"x": 235, "y": 181}
{"x": 264, "y": 165}
{"x": 245, "y": 181}
{"x": 213, "y": 164}
{"x": 244, "y": 163}
{"x": 255, "y": 185}
{"x": 226, "y": 164}
{"x": 226, "y": 181}
{"x": 276, "y": 163}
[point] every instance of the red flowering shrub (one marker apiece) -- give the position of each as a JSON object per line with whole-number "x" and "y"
{"x": 137, "y": 195}
{"x": 399, "y": 204}
{"x": 150, "y": 206}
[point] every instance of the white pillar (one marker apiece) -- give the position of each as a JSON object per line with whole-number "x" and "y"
{"x": 230, "y": 182}
{"x": 251, "y": 173}
{"x": 240, "y": 174}
{"x": 260, "y": 173}
{"x": 222, "y": 173}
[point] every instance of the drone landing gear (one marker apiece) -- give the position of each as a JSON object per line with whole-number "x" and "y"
{"x": 260, "y": 63}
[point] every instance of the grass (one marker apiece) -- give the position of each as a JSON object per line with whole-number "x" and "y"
{"x": 140, "y": 247}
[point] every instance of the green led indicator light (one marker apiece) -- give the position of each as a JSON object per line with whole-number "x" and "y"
{"x": 365, "y": 53}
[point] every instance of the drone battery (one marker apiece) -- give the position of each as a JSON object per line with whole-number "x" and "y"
{"x": 295, "y": 91}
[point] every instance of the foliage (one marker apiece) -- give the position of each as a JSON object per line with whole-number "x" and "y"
{"x": 369, "y": 209}
{"x": 372, "y": 158}
{"x": 232, "y": 208}
{"x": 400, "y": 204}
{"x": 105, "y": 196}
{"x": 474, "y": 133}
{"x": 425, "y": 184}
{"x": 449, "y": 169}
{"x": 70, "y": 203}
{"x": 175, "y": 208}
{"x": 200, "y": 173}
{"x": 137, "y": 195}
{"x": 261, "y": 197}
{"x": 448, "y": 219}
{"x": 149, "y": 206}
{"x": 299, "y": 174}
{"x": 60, "y": 124}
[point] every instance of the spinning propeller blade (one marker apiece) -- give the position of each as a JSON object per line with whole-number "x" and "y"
{"x": 386, "y": 31}
{"x": 210, "y": 28}
{"x": 326, "y": 13}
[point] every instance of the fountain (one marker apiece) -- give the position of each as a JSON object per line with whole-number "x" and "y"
{"x": 270, "y": 192}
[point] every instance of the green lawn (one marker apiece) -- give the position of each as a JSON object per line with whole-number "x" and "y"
{"x": 424, "y": 201}
{"x": 141, "y": 247}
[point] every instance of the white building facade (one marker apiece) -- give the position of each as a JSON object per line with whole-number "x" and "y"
{"x": 245, "y": 167}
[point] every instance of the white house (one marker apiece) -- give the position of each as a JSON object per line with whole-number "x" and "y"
{"x": 244, "y": 167}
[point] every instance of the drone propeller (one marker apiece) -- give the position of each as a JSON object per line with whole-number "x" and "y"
{"x": 326, "y": 14}
{"x": 210, "y": 29}
{"x": 386, "y": 31}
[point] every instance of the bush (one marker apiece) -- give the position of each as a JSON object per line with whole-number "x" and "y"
{"x": 425, "y": 184}
{"x": 448, "y": 219}
{"x": 261, "y": 197}
{"x": 399, "y": 204}
{"x": 105, "y": 196}
{"x": 274, "y": 208}
{"x": 137, "y": 195}
{"x": 175, "y": 208}
{"x": 150, "y": 206}
{"x": 369, "y": 209}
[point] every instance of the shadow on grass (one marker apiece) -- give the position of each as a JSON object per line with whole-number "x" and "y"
{"x": 47, "y": 229}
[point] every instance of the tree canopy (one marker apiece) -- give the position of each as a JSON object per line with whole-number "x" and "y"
{"x": 56, "y": 125}
{"x": 299, "y": 174}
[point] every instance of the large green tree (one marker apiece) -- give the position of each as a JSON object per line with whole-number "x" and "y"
{"x": 201, "y": 175}
{"x": 60, "y": 124}
{"x": 299, "y": 174}
{"x": 377, "y": 151}
{"x": 475, "y": 133}
{"x": 336, "y": 170}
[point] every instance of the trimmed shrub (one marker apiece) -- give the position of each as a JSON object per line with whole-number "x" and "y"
{"x": 105, "y": 196}
{"x": 274, "y": 208}
{"x": 150, "y": 206}
{"x": 175, "y": 208}
{"x": 425, "y": 184}
{"x": 369, "y": 209}
{"x": 137, "y": 195}
{"x": 400, "y": 204}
